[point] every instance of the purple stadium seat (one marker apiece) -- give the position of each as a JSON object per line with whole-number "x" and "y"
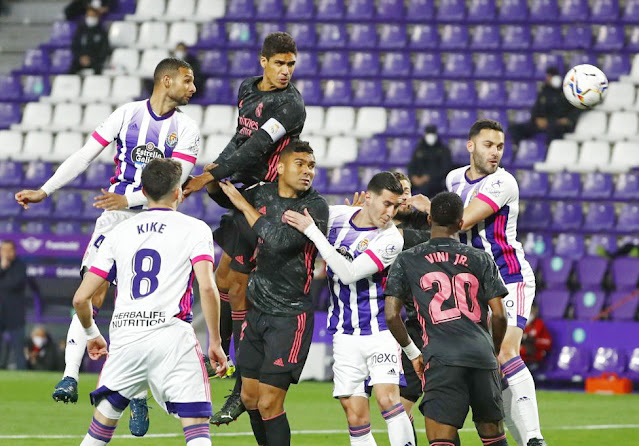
{"x": 565, "y": 185}
{"x": 306, "y": 64}
{"x": 269, "y": 9}
{"x": 368, "y": 92}
{"x": 460, "y": 121}
{"x": 500, "y": 116}
{"x": 10, "y": 88}
{"x": 489, "y": 65}
{"x": 588, "y": 303}
{"x": 218, "y": 91}
{"x": 362, "y": 36}
{"x": 372, "y": 151}
{"x": 555, "y": 271}
{"x": 582, "y": 58}
{"x": 400, "y": 150}
{"x": 427, "y": 65}
{"x": 451, "y": 10}
{"x": 37, "y": 227}
{"x": 213, "y": 213}
{"x": 600, "y": 217}
{"x": 553, "y": 303}
{"x": 62, "y": 34}
{"x": 627, "y": 187}
{"x": 461, "y": 94}
{"x": 321, "y": 179}
{"x": 604, "y": 11}
{"x": 624, "y": 305}
{"x": 37, "y": 173}
{"x": 334, "y": 63}
{"x": 429, "y": 93}
{"x": 311, "y": 91}
{"x": 590, "y": 271}
{"x": 569, "y": 245}
{"x": 536, "y": 215}
{"x": 434, "y": 117}
{"x": 424, "y": 37}
{"x": 529, "y": 152}
{"x": 36, "y": 61}
{"x": 98, "y": 175}
{"x": 573, "y": 363}
{"x": 458, "y": 150}
{"x": 242, "y": 35}
{"x": 360, "y": 9}
{"x": 268, "y": 28}
{"x": 420, "y": 10}
{"x": 567, "y": 216}
{"x": 577, "y": 37}
{"x": 631, "y": 12}
{"x": 632, "y": 44}
{"x": 513, "y": 11}
{"x": 625, "y": 272}
{"x": 574, "y": 11}
{"x": 481, "y": 10}
{"x": 609, "y": 38}
{"x": 546, "y": 37}
{"x": 401, "y": 121}
{"x": 212, "y": 35}
{"x": 538, "y": 245}
{"x": 330, "y": 10}
{"x": 597, "y": 186}
{"x": 214, "y": 62}
{"x": 516, "y": 37}
{"x": 240, "y": 9}
{"x": 610, "y": 360}
{"x": 243, "y": 63}
{"x": 305, "y": 35}
{"x": 332, "y": 36}
{"x": 521, "y": 116}
{"x": 532, "y": 184}
{"x": 392, "y": 37}
{"x": 11, "y": 173}
{"x": 193, "y": 206}
{"x": 399, "y": 93}
{"x": 337, "y": 92}
{"x": 544, "y": 10}
{"x": 628, "y": 218}
{"x": 396, "y": 64}
{"x": 42, "y": 210}
{"x": 70, "y": 205}
{"x": 8, "y": 227}
{"x": 9, "y": 114}
{"x": 300, "y": 9}
{"x": 458, "y": 65}
{"x": 61, "y": 61}
{"x": 343, "y": 180}
{"x": 485, "y": 37}
{"x": 491, "y": 94}
{"x": 88, "y": 211}
{"x": 390, "y": 9}
{"x": 8, "y": 207}
{"x": 606, "y": 242}
{"x": 518, "y": 66}
{"x": 67, "y": 228}
{"x": 454, "y": 37}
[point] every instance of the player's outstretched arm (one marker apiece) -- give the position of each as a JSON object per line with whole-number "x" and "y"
{"x": 498, "y": 321}
{"x": 210, "y": 298}
{"x": 392, "y": 309}
{"x": 96, "y": 344}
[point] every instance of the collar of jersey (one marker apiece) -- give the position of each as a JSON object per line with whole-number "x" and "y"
{"x": 357, "y": 228}
{"x": 469, "y": 181}
{"x": 156, "y": 117}
{"x": 161, "y": 209}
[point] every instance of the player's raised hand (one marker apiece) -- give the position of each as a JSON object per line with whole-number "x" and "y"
{"x": 110, "y": 201}
{"x": 297, "y": 220}
{"x": 217, "y": 356}
{"x": 358, "y": 199}
{"x": 24, "y": 197}
{"x": 418, "y": 365}
{"x": 97, "y": 347}
{"x": 234, "y": 195}
{"x": 419, "y": 202}
{"x": 197, "y": 183}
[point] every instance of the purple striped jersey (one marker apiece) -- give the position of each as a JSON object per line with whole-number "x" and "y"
{"x": 358, "y": 308}
{"x": 497, "y": 234}
{"x": 141, "y": 136}
{"x": 154, "y": 253}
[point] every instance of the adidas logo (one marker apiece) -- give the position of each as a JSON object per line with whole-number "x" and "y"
{"x": 278, "y": 362}
{"x": 239, "y": 259}
{"x": 71, "y": 342}
{"x": 410, "y": 443}
{"x": 523, "y": 398}
{"x": 133, "y": 126}
{"x": 392, "y": 372}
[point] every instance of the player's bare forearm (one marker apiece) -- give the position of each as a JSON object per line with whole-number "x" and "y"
{"x": 498, "y": 321}
{"x": 240, "y": 202}
{"x": 475, "y": 212}
{"x": 198, "y": 183}
{"x": 392, "y": 310}
{"x": 24, "y": 197}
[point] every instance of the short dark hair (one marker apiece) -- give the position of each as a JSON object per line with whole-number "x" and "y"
{"x": 160, "y": 177}
{"x": 447, "y": 209}
{"x": 401, "y": 176}
{"x": 170, "y": 66}
{"x": 385, "y": 181}
{"x": 552, "y": 71}
{"x": 482, "y": 124}
{"x": 296, "y": 146}
{"x": 278, "y": 43}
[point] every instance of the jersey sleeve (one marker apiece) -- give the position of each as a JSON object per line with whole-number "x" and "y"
{"x": 384, "y": 249}
{"x": 397, "y": 283}
{"x": 499, "y": 191}
{"x": 336, "y": 211}
{"x": 203, "y": 247}
{"x": 104, "y": 259}
{"x": 110, "y": 128}
{"x": 492, "y": 283}
{"x": 188, "y": 144}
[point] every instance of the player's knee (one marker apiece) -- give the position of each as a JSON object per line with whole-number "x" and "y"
{"x": 387, "y": 401}
{"x": 357, "y": 419}
{"x": 249, "y": 399}
{"x": 108, "y": 411}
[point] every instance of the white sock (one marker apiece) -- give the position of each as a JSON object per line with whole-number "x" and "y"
{"x": 74, "y": 350}
{"x": 400, "y": 429}
{"x": 199, "y": 442}
{"x": 361, "y": 436}
{"x": 507, "y": 397}
{"x": 524, "y": 399}
{"x": 90, "y": 441}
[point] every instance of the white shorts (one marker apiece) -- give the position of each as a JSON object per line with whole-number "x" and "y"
{"x": 357, "y": 358}
{"x": 518, "y": 303}
{"x": 103, "y": 225}
{"x": 169, "y": 362}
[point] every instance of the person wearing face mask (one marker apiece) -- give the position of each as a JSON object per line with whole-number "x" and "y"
{"x": 552, "y": 114}
{"x": 41, "y": 350}
{"x": 13, "y": 283}
{"x": 90, "y": 45}
{"x": 430, "y": 162}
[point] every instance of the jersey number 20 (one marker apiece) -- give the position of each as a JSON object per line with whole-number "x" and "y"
{"x": 146, "y": 267}
{"x": 463, "y": 287}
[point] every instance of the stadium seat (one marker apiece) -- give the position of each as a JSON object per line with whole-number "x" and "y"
{"x": 149, "y": 60}
{"x": 65, "y": 117}
{"x": 625, "y": 272}
{"x": 193, "y": 206}
{"x": 627, "y": 187}
{"x": 65, "y": 88}
{"x": 599, "y": 218}
{"x": 300, "y": 9}
{"x": 95, "y": 88}
{"x": 11, "y": 144}
{"x": 545, "y": 61}
{"x": 597, "y": 186}
{"x": 454, "y": 37}
{"x": 61, "y": 60}
{"x": 389, "y": 10}
{"x": 185, "y": 32}
{"x": 632, "y": 44}
{"x": 240, "y": 9}
{"x": 337, "y": 92}
{"x": 400, "y": 151}
{"x": 343, "y": 180}
{"x": 518, "y": 66}
{"x": 615, "y": 65}
{"x": 123, "y": 61}
{"x": 429, "y": 93}
{"x": 481, "y": 10}
{"x": 339, "y": 121}
{"x": 604, "y": 11}
{"x": 553, "y": 303}
{"x": 311, "y": 91}
{"x": 37, "y": 173}
{"x": 621, "y": 96}
{"x": 458, "y": 151}
{"x": 8, "y": 207}
{"x": 37, "y": 145}
{"x": 61, "y": 34}
{"x": 179, "y": 10}
{"x": 360, "y": 10}
{"x": 10, "y": 88}
{"x": 555, "y": 271}
{"x": 574, "y": 11}
{"x": 331, "y": 36}
{"x": 305, "y": 35}
{"x": 628, "y": 221}
{"x": 578, "y": 37}
{"x": 544, "y": 10}
{"x": 123, "y": 34}
{"x": 208, "y": 10}
{"x": 561, "y": 153}
{"x": 401, "y": 122}
{"x": 66, "y": 228}
{"x": 214, "y": 62}
{"x": 11, "y": 173}
{"x": 491, "y": 94}
{"x": 458, "y": 65}
{"x": 491, "y": 66}
{"x": 329, "y": 10}
{"x": 370, "y": 121}
{"x": 334, "y": 63}
{"x": 608, "y": 360}
{"x": 529, "y": 152}
{"x": 573, "y": 363}
{"x": 212, "y": 35}
{"x": 93, "y": 115}
{"x": 362, "y": 36}
{"x": 241, "y": 35}
{"x": 513, "y": 11}
{"x": 625, "y": 155}
{"x": 522, "y": 94}
{"x": 314, "y": 120}
{"x": 567, "y": 216}
{"x": 451, "y": 10}
{"x": 532, "y": 184}
{"x": 36, "y": 61}
{"x": 420, "y": 10}
{"x": 426, "y": 65}
{"x": 36, "y": 227}
{"x": 607, "y": 242}
{"x": 9, "y": 115}
{"x": 36, "y": 115}
{"x": 193, "y": 111}
{"x": 218, "y": 119}
{"x": 148, "y": 10}
{"x": 570, "y": 246}
{"x": 399, "y": 93}
{"x": 424, "y": 37}
{"x": 367, "y": 93}
{"x": 396, "y": 64}
{"x": 392, "y": 37}
{"x": 588, "y": 303}
{"x": 485, "y": 37}
{"x": 590, "y": 271}
{"x": 364, "y": 64}
{"x": 460, "y": 121}
{"x": 565, "y": 185}
{"x": 461, "y": 94}
{"x": 372, "y": 151}
{"x": 631, "y": 12}
{"x": 8, "y": 226}
{"x": 516, "y": 37}
{"x": 214, "y": 145}
{"x": 318, "y": 143}
{"x": 547, "y": 38}
{"x": 623, "y": 305}
{"x": 124, "y": 89}
{"x": 98, "y": 175}
{"x": 590, "y": 125}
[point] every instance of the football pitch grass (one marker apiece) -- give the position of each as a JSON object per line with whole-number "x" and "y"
{"x": 30, "y": 417}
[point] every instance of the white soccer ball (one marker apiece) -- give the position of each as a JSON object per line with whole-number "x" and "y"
{"x": 585, "y": 86}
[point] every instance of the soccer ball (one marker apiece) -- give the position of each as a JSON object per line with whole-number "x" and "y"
{"x": 585, "y": 86}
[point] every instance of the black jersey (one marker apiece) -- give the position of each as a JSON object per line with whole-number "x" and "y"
{"x": 267, "y": 120}
{"x": 451, "y": 284}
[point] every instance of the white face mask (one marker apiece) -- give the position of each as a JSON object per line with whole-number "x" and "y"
{"x": 555, "y": 81}
{"x": 179, "y": 54}
{"x": 430, "y": 138}
{"x": 39, "y": 341}
{"x": 92, "y": 21}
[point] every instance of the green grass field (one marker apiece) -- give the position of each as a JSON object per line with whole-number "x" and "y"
{"x": 31, "y": 417}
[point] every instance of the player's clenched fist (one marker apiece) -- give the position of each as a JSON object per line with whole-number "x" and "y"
{"x": 97, "y": 347}
{"x": 24, "y": 197}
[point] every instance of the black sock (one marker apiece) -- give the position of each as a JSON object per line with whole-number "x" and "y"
{"x": 258, "y": 426}
{"x": 278, "y": 432}
{"x": 226, "y": 324}
{"x": 457, "y": 441}
{"x": 499, "y": 440}
{"x": 238, "y": 320}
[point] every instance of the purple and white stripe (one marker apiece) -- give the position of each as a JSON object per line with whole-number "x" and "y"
{"x": 197, "y": 431}
{"x": 513, "y": 366}
{"x": 101, "y": 432}
{"x": 394, "y": 411}
{"x": 359, "y": 431}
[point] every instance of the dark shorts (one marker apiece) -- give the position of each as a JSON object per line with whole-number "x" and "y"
{"x": 449, "y": 391}
{"x": 238, "y": 240}
{"x": 413, "y": 389}
{"x": 273, "y": 349}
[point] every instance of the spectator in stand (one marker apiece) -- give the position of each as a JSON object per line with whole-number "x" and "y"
{"x": 41, "y": 351}
{"x": 13, "y": 283}
{"x": 182, "y": 52}
{"x": 78, "y": 8}
{"x": 430, "y": 163}
{"x": 552, "y": 114}
{"x": 90, "y": 45}
{"x": 536, "y": 340}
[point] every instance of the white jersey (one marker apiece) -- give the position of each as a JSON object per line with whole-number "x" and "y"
{"x": 141, "y": 136}
{"x": 154, "y": 253}
{"x": 497, "y": 235}
{"x": 358, "y": 308}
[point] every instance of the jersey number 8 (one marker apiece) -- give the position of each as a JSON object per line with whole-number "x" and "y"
{"x": 146, "y": 267}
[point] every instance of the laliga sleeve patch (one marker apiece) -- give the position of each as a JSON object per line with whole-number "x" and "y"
{"x": 274, "y": 128}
